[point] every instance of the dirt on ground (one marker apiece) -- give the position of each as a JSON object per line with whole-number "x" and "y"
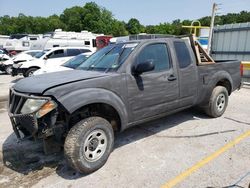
{"x": 23, "y": 164}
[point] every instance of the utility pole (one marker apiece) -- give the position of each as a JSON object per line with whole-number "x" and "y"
{"x": 211, "y": 28}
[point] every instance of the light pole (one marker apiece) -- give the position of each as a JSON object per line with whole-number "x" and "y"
{"x": 211, "y": 28}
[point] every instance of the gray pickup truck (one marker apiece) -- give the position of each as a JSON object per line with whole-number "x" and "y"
{"x": 119, "y": 86}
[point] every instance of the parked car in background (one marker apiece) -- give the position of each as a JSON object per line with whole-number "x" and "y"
{"x": 4, "y": 55}
{"x": 56, "y": 56}
{"x": 68, "y": 65}
{"x": 29, "y": 55}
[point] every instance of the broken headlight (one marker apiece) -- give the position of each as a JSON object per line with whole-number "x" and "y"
{"x": 40, "y": 106}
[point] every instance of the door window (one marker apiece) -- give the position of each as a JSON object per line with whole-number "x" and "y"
{"x": 56, "y": 54}
{"x": 87, "y": 43}
{"x": 157, "y": 53}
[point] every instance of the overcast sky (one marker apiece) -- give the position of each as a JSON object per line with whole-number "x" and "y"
{"x": 146, "y": 11}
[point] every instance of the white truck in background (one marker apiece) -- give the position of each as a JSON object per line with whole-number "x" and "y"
{"x": 55, "y": 56}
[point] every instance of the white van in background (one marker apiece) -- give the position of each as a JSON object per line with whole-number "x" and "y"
{"x": 3, "y": 39}
{"x": 56, "y": 56}
{"x": 21, "y": 42}
{"x": 60, "y": 38}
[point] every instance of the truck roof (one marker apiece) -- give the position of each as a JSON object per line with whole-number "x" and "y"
{"x": 152, "y": 40}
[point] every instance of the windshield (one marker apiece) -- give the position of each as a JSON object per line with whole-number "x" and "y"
{"x": 75, "y": 62}
{"x": 39, "y": 54}
{"x": 109, "y": 58}
{"x": 33, "y": 54}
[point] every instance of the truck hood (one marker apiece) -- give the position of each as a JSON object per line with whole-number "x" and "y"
{"x": 40, "y": 83}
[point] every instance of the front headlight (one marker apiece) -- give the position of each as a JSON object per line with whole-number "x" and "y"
{"x": 40, "y": 106}
{"x": 17, "y": 65}
{"x": 46, "y": 108}
{"x": 32, "y": 105}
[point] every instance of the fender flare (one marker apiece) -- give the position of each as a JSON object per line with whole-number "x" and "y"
{"x": 75, "y": 100}
{"x": 213, "y": 81}
{"x": 221, "y": 75}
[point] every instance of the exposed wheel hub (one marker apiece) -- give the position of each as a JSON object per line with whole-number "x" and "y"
{"x": 93, "y": 144}
{"x": 220, "y": 102}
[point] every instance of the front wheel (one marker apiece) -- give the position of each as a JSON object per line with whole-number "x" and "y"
{"x": 89, "y": 144}
{"x": 8, "y": 69}
{"x": 218, "y": 102}
{"x": 30, "y": 72}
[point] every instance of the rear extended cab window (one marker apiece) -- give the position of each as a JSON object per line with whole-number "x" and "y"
{"x": 73, "y": 52}
{"x": 84, "y": 50}
{"x": 182, "y": 53}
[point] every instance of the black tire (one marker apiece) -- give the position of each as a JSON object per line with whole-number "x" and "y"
{"x": 75, "y": 149}
{"x": 8, "y": 69}
{"x": 29, "y": 72}
{"x": 216, "y": 107}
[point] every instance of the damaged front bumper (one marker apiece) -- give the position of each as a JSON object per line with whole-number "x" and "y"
{"x": 2, "y": 66}
{"x": 29, "y": 124}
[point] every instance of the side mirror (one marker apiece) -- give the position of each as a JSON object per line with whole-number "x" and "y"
{"x": 45, "y": 58}
{"x": 143, "y": 67}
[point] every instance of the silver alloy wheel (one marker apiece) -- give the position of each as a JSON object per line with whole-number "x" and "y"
{"x": 220, "y": 102}
{"x": 31, "y": 73}
{"x": 9, "y": 69}
{"x": 95, "y": 145}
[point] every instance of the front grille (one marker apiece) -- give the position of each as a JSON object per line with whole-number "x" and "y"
{"x": 16, "y": 102}
{"x": 28, "y": 122}
{"x": 21, "y": 121}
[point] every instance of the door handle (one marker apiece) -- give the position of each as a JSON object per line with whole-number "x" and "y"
{"x": 171, "y": 78}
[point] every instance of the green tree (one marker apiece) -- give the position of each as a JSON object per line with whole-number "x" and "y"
{"x": 118, "y": 29}
{"x": 106, "y": 21}
{"x": 150, "y": 29}
{"x": 133, "y": 26}
{"x": 97, "y": 19}
{"x": 72, "y": 18}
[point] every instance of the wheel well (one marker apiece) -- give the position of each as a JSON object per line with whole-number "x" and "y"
{"x": 225, "y": 83}
{"x": 103, "y": 110}
{"x": 33, "y": 67}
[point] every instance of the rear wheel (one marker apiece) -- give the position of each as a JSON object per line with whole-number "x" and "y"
{"x": 30, "y": 72}
{"x": 218, "y": 102}
{"x": 89, "y": 144}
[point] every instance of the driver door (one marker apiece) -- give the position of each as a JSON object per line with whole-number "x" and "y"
{"x": 155, "y": 92}
{"x": 56, "y": 58}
